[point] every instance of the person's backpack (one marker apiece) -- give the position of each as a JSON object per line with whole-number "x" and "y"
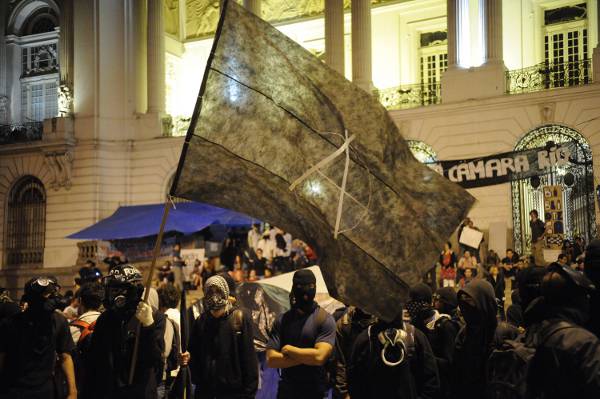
{"x": 86, "y": 331}
{"x": 508, "y": 365}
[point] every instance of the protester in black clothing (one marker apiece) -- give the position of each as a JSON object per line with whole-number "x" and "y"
{"x": 537, "y": 237}
{"x": 566, "y": 363}
{"x": 475, "y": 340}
{"x": 30, "y": 343}
{"x": 392, "y": 360}
{"x": 348, "y": 327}
{"x": 592, "y": 271}
{"x": 221, "y": 355}
{"x": 496, "y": 278}
{"x": 439, "y": 328}
{"x": 445, "y": 301}
{"x": 301, "y": 342}
{"x": 8, "y": 307}
{"x": 110, "y": 353}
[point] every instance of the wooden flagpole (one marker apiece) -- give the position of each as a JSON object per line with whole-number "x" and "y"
{"x": 148, "y": 284}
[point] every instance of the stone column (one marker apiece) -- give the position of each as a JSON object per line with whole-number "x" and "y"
{"x": 361, "y": 44}
{"x": 452, "y": 38}
{"x": 65, "y": 54}
{"x": 253, "y": 6}
{"x": 596, "y": 53}
{"x": 156, "y": 57}
{"x": 334, "y": 34}
{"x": 492, "y": 12}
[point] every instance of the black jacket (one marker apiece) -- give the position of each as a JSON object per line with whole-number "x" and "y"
{"x": 348, "y": 328}
{"x": 474, "y": 344}
{"x": 567, "y": 362}
{"x": 442, "y": 335}
{"x": 223, "y": 361}
{"x": 369, "y": 377}
{"x": 109, "y": 359}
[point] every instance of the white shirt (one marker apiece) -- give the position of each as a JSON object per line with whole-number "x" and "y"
{"x": 88, "y": 317}
{"x": 268, "y": 247}
{"x": 253, "y": 237}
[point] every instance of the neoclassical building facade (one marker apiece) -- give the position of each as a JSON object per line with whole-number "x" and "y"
{"x": 95, "y": 96}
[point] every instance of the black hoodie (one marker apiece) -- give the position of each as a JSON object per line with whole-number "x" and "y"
{"x": 567, "y": 359}
{"x": 474, "y": 342}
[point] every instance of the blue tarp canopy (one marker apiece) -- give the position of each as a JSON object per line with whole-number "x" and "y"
{"x": 144, "y": 220}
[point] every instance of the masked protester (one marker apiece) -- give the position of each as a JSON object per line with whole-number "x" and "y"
{"x": 301, "y": 342}
{"x": 475, "y": 341}
{"x": 348, "y": 328}
{"x": 110, "y": 354}
{"x": 566, "y": 363}
{"x": 440, "y": 328}
{"x": 31, "y": 342}
{"x": 221, "y": 354}
{"x": 392, "y": 360}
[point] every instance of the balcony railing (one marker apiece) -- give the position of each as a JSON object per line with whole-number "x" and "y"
{"x": 21, "y": 133}
{"x": 549, "y": 76}
{"x": 410, "y": 96}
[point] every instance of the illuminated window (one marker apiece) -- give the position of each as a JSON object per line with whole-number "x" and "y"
{"x": 434, "y": 61}
{"x": 566, "y": 45}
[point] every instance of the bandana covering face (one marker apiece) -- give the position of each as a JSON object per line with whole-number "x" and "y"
{"x": 416, "y": 309}
{"x": 216, "y": 293}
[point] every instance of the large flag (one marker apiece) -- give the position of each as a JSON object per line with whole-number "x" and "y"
{"x": 278, "y": 135}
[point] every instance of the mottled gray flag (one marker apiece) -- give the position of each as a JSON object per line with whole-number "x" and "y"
{"x": 268, "y": 111}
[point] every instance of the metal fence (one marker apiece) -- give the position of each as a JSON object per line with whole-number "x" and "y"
{"x": 21, "y": 133}
{"x": 410, "y": 96}
{"x": 549, "y": 75}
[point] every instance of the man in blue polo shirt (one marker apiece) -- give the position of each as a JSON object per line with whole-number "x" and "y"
{"x": 301, "y": 341}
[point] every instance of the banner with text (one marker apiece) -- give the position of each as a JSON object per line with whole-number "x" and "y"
{"x": 508, "y": 166}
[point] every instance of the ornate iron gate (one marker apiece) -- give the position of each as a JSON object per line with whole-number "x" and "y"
{"x": 576, "y": 180}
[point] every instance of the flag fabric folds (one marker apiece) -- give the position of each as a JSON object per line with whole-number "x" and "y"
{"x": 278, "y": 135}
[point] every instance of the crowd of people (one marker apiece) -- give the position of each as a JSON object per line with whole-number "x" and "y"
{"x": 266, "y": 252}
{"x": 452, "y": 341}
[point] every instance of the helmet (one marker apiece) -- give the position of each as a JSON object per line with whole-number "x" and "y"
{"x": 123, "y": 288}
{"x": 42, "y": 294}
{"x": 39, "y": 287}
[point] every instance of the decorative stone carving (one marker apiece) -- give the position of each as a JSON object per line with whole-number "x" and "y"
{"x": 60, "y": 165}
{"x": 202, "y": 15}
{"x": 65, "y": 101}
{"x": 547, "y": 112}
{"x": 171, "y": 13}
{"x": 4, "y": 109}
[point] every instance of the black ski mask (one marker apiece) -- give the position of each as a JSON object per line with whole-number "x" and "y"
{"x": 304, "y": 289}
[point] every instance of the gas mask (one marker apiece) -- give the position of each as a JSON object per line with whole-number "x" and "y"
{"x": 123, "y": 290}
{"x": 42, "y": 295}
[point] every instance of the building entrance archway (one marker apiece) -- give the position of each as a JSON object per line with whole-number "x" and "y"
{"x": 576, "y": 180}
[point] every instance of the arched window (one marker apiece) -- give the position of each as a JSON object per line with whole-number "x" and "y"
{"x": 576, "y": 182}
{"x": 33, "y": 25}
{"x": 26, "y": 223}
{"x": 422, "y": 151}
